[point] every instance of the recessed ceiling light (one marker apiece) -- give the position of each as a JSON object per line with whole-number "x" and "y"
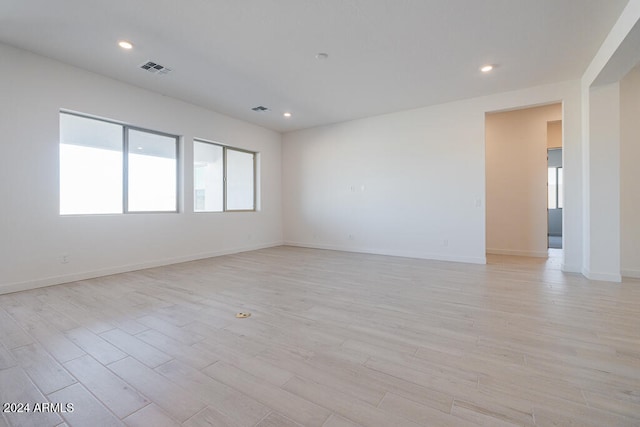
{"x": 125, "y": 44}
{"x": 486, "y": 68}
{"x": 321, "y": 56}
{"x": 287, "y": 114}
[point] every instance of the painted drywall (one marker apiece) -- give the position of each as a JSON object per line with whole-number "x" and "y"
{"x": 600, "y": 118}
{"x": 516, "y": 177}
{"x": 554, "y": 134}
{"x": 387, "y": 185}
{"x": 630, "y": 174}
{"x": 33, "y": 234}
{"x": 413, "y": 183}
{"x": 604, "y": 184}
{"x": 618, "y": 53}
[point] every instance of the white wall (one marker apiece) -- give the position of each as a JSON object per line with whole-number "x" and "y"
{"x": 34, "y": 236}
{"x": 630, "y": 173}
{"x": 394, "y": 183}
{"x": 516, "y": 155}
{"x": 601, "y": 130}
{"x": 604, "y": 184}
{"x": 554, "y": 134}
{"x": 413, "y": 183}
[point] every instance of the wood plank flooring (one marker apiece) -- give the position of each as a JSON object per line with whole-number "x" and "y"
{"x": 334, "y": 339}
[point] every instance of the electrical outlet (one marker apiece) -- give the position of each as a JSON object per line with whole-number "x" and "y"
{"x": 64, "y": 258}
{"x": 352, "y": 237}
{"x": 445, "y": 243}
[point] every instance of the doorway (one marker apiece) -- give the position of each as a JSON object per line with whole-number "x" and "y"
{"x": 555, "y": 185}
{"x": 517, "y": 180}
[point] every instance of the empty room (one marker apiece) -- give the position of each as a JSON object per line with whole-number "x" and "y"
{"x": 281, "y": 213}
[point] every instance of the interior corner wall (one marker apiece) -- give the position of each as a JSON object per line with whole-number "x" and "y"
{"x": 412, "y": 183}
{"x": 630, "y": 174}
{"x": 33, "y": 234}
{"x": 516, "y": 158}
{"x": 603, "y": 225}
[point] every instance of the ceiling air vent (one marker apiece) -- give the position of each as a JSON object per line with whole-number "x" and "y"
{"x": 260, "y": 109}
{"x": 155, "y": 68}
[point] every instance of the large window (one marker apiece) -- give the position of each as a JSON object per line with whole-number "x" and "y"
{"x": 108, "y": 168}
{"x": 224, "y": 178}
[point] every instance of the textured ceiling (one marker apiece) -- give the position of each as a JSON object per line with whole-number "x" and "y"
{"x": 384, "y": 55}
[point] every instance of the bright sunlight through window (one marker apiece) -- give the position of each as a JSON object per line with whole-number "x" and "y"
{"x": 95, "y": 175}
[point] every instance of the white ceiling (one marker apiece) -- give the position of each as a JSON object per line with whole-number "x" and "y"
{"x": 384, "y": 55}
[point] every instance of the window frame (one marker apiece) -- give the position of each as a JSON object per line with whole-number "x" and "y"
{"x": 125, "y": 177}
{"x": 224, "y": 174}
{"x": 254, "y": 182}
{"x": 557, "y": 187}
{"x": 125, "y": 165}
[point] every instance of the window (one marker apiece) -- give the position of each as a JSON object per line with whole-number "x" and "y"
{"x": 91, "y": 166}
{"x": 239, "y": 180}
{"x": 555, "y": 192}
{"x": 152, "y": 172}
{"x": 108, "y": 168}
{"x": 224, "y": 178}
{"x": 208, "y": 178}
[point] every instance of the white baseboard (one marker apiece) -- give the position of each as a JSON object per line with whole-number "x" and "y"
{"x": 536, "y": 254}
{"x": 404, "y": 254}
{"x": 602, "y": 277}
{"x": 631, "y": 273}
{"x": 567, "y": 268}
{"x": 74, "y": 277}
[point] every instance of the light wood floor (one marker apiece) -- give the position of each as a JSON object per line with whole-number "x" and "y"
{"x": 334, "y": 339}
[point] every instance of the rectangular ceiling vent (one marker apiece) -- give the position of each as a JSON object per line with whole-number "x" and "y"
{"x": 260, "y": 109}
{"x": 155, "y": 68}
